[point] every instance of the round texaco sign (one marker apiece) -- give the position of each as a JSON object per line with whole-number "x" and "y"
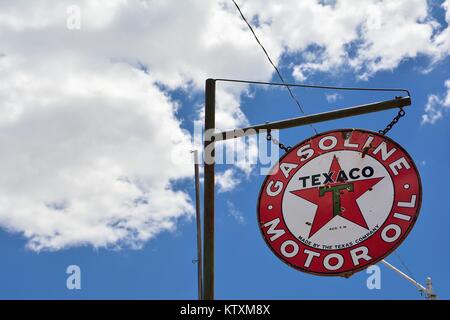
{"x": 339, "y": 202}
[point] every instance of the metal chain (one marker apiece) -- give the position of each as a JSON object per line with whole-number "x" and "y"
{"x": 401, "y": 113}
{"x": 276, "y": 142}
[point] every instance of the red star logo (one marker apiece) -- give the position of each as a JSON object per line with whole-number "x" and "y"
{"x": 337, "y": 198}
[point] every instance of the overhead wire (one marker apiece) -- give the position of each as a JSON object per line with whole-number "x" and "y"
{"x": 404, "y": 264}
{"x": 291, "y": 94}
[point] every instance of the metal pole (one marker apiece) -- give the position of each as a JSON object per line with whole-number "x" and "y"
{"x": 404, "y": 275}
{"x": 209, "y": 180}
{"x": 199, "y": 225}
{"x": 314, "y": 118}
{"x": 430, "y": 295}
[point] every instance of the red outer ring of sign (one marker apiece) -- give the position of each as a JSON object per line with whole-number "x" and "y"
{"x": 396, "y": 244}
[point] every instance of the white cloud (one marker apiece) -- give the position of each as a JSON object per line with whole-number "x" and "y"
{"x": 235, "y": 213}
{"x": 85, "y": 160}
{"x": 433, "y": 110}
{"x": 443, "y": 39}
{"x": 227, "y": 180}
{"x": 87, "y": 136}
{"x": 365, "y": 36}
{"x": 446, "y": 100}
{"x": 333, "y": 97}
{"x": 435, "y": 106}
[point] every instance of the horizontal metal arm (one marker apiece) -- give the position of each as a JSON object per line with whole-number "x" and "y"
{"x": 309, "y": 86}
{"x": 315, "y": 118}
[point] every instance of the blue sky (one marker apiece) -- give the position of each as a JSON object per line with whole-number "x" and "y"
{"x": 158, "y": 264}
{"x": 246, "y": 268}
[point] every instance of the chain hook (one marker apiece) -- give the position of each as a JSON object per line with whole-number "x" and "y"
{"x": 277, "y": 142}
{"x": 401, "y": 113}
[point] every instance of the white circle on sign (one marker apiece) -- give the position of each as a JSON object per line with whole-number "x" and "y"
{"x": 374, "y": 205}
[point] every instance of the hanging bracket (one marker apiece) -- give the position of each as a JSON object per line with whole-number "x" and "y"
{"x": 398, "y": 102}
